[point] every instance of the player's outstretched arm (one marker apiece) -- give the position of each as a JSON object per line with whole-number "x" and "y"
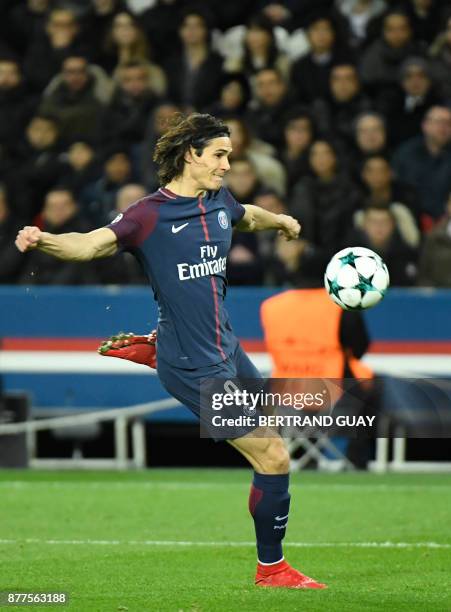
{"x": 256, "y": 219}
{"x": 101, "y": 242}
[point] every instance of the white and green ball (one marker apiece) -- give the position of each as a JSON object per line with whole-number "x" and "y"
{"x": 356, "y": 278}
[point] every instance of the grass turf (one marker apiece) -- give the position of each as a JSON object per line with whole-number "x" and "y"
{"x": 105, "y": 538}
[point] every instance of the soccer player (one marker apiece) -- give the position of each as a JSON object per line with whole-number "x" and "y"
{"x": 181, "y": 234}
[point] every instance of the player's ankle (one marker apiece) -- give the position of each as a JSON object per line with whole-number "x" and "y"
{"x": 271, "y": 568}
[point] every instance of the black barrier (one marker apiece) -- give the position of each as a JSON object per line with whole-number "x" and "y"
{"x": 14, "y": 408}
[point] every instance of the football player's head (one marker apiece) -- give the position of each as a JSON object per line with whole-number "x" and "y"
{"x": 195, "y": 147}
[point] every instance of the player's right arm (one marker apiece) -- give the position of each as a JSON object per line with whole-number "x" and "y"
{"x": 74, "y": 246}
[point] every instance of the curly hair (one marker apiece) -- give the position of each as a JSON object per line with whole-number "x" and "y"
{"x": 195, "y": 131}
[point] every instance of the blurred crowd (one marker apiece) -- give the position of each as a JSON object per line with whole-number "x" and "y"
{"x": 340, "y": 115}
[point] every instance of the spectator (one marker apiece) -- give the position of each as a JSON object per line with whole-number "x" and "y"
{"x": 36, "y": 163}
{"x": 98, "y": 199}
{"x": 270, "y": 172}
{"x": 75, "y": 99}
{"x": 244, "y": 265}
{"x": 272, "y": 101}
{"x": 59, "y": 216}
{"x": 299, "y": 133}
{"x": 233, "y": 98}
{"x": 383, "y": 190}
{"x": 310, "y": 74}
{"x": 324, "y": 204}
{"x": 435, "y": 259}
{"x": 26, "y": 22}
{"x": 405, "y": 106}
{"x": 273, "y": 268}
{"x": 127, "y": 195}
{"x": 127, "y": 115}
{"x": 80, "y": 166}
{"x": 425, "y": 162}
{"x": 440, "y": 53}
{"x": 123, "y": 268}
{"x": 229, "y": 14}
{"x": 195, "y": 73}
{"x": 424, "y": 16}
{"x": 335, "y": 114}
{"x": 378, "y": 232}
{"x": 9, "y": 255}
{"x": 278, "y": 13}
{"x": 260, "y": 50}
{"x": 380, "y": 64}
{"x": 160, "y": 23}
{"x": 46, "y": 53}
{"x": 98, "y": 24}
{"x": 357, "y": 19}
{"x": 159, "y": 120}
{"x": 125, "y": 42}
{"x": 370, "y": 138}
{"x": 16, "y": 106}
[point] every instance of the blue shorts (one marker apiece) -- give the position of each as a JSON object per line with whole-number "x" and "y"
{"x": 185, "y": 385}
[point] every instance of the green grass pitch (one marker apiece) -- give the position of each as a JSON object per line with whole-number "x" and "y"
{"x": 182, "y": 540}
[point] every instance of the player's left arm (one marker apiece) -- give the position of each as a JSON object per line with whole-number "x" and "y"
{"x": 256, "y": 219}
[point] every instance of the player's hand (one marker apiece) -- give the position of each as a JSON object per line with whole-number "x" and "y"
{"x": 289, "y": 227}
{"x": 28, "y": 238}
{"x": 140, "y": 349}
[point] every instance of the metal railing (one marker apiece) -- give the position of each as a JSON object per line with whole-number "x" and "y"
{"x": 121, "y": 418}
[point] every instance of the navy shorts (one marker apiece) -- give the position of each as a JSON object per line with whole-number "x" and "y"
{"x": 185, "y": 385}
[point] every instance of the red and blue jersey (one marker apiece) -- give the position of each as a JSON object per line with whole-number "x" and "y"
{"x": 182, "y": 244}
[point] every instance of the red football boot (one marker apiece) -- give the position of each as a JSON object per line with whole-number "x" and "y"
{"x": 140, "y": 349}
{"x": 282, "y": 575}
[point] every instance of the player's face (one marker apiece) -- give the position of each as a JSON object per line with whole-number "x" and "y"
{"x": 208, "y": 170}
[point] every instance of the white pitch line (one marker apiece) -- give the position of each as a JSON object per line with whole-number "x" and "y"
{"x": 179, "y": 485}
{"x": 185, "y": 543}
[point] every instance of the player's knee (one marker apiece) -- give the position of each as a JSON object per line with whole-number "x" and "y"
{"x": 275, "y": 459}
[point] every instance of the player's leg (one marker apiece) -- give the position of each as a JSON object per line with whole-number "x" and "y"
{"x": 269, "y": 505}
{"x": 269, "y": 499}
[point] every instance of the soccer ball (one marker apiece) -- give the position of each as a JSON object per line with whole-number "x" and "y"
{"x": 356, "y": 278}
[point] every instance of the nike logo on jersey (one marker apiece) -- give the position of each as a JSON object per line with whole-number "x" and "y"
{"x": 281, "y": 518}
{"x": 176, "y": 230}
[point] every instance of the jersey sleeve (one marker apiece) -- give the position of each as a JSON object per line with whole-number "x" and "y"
{"x": 236, "y": 209}
{"x": 135, "y": 224}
